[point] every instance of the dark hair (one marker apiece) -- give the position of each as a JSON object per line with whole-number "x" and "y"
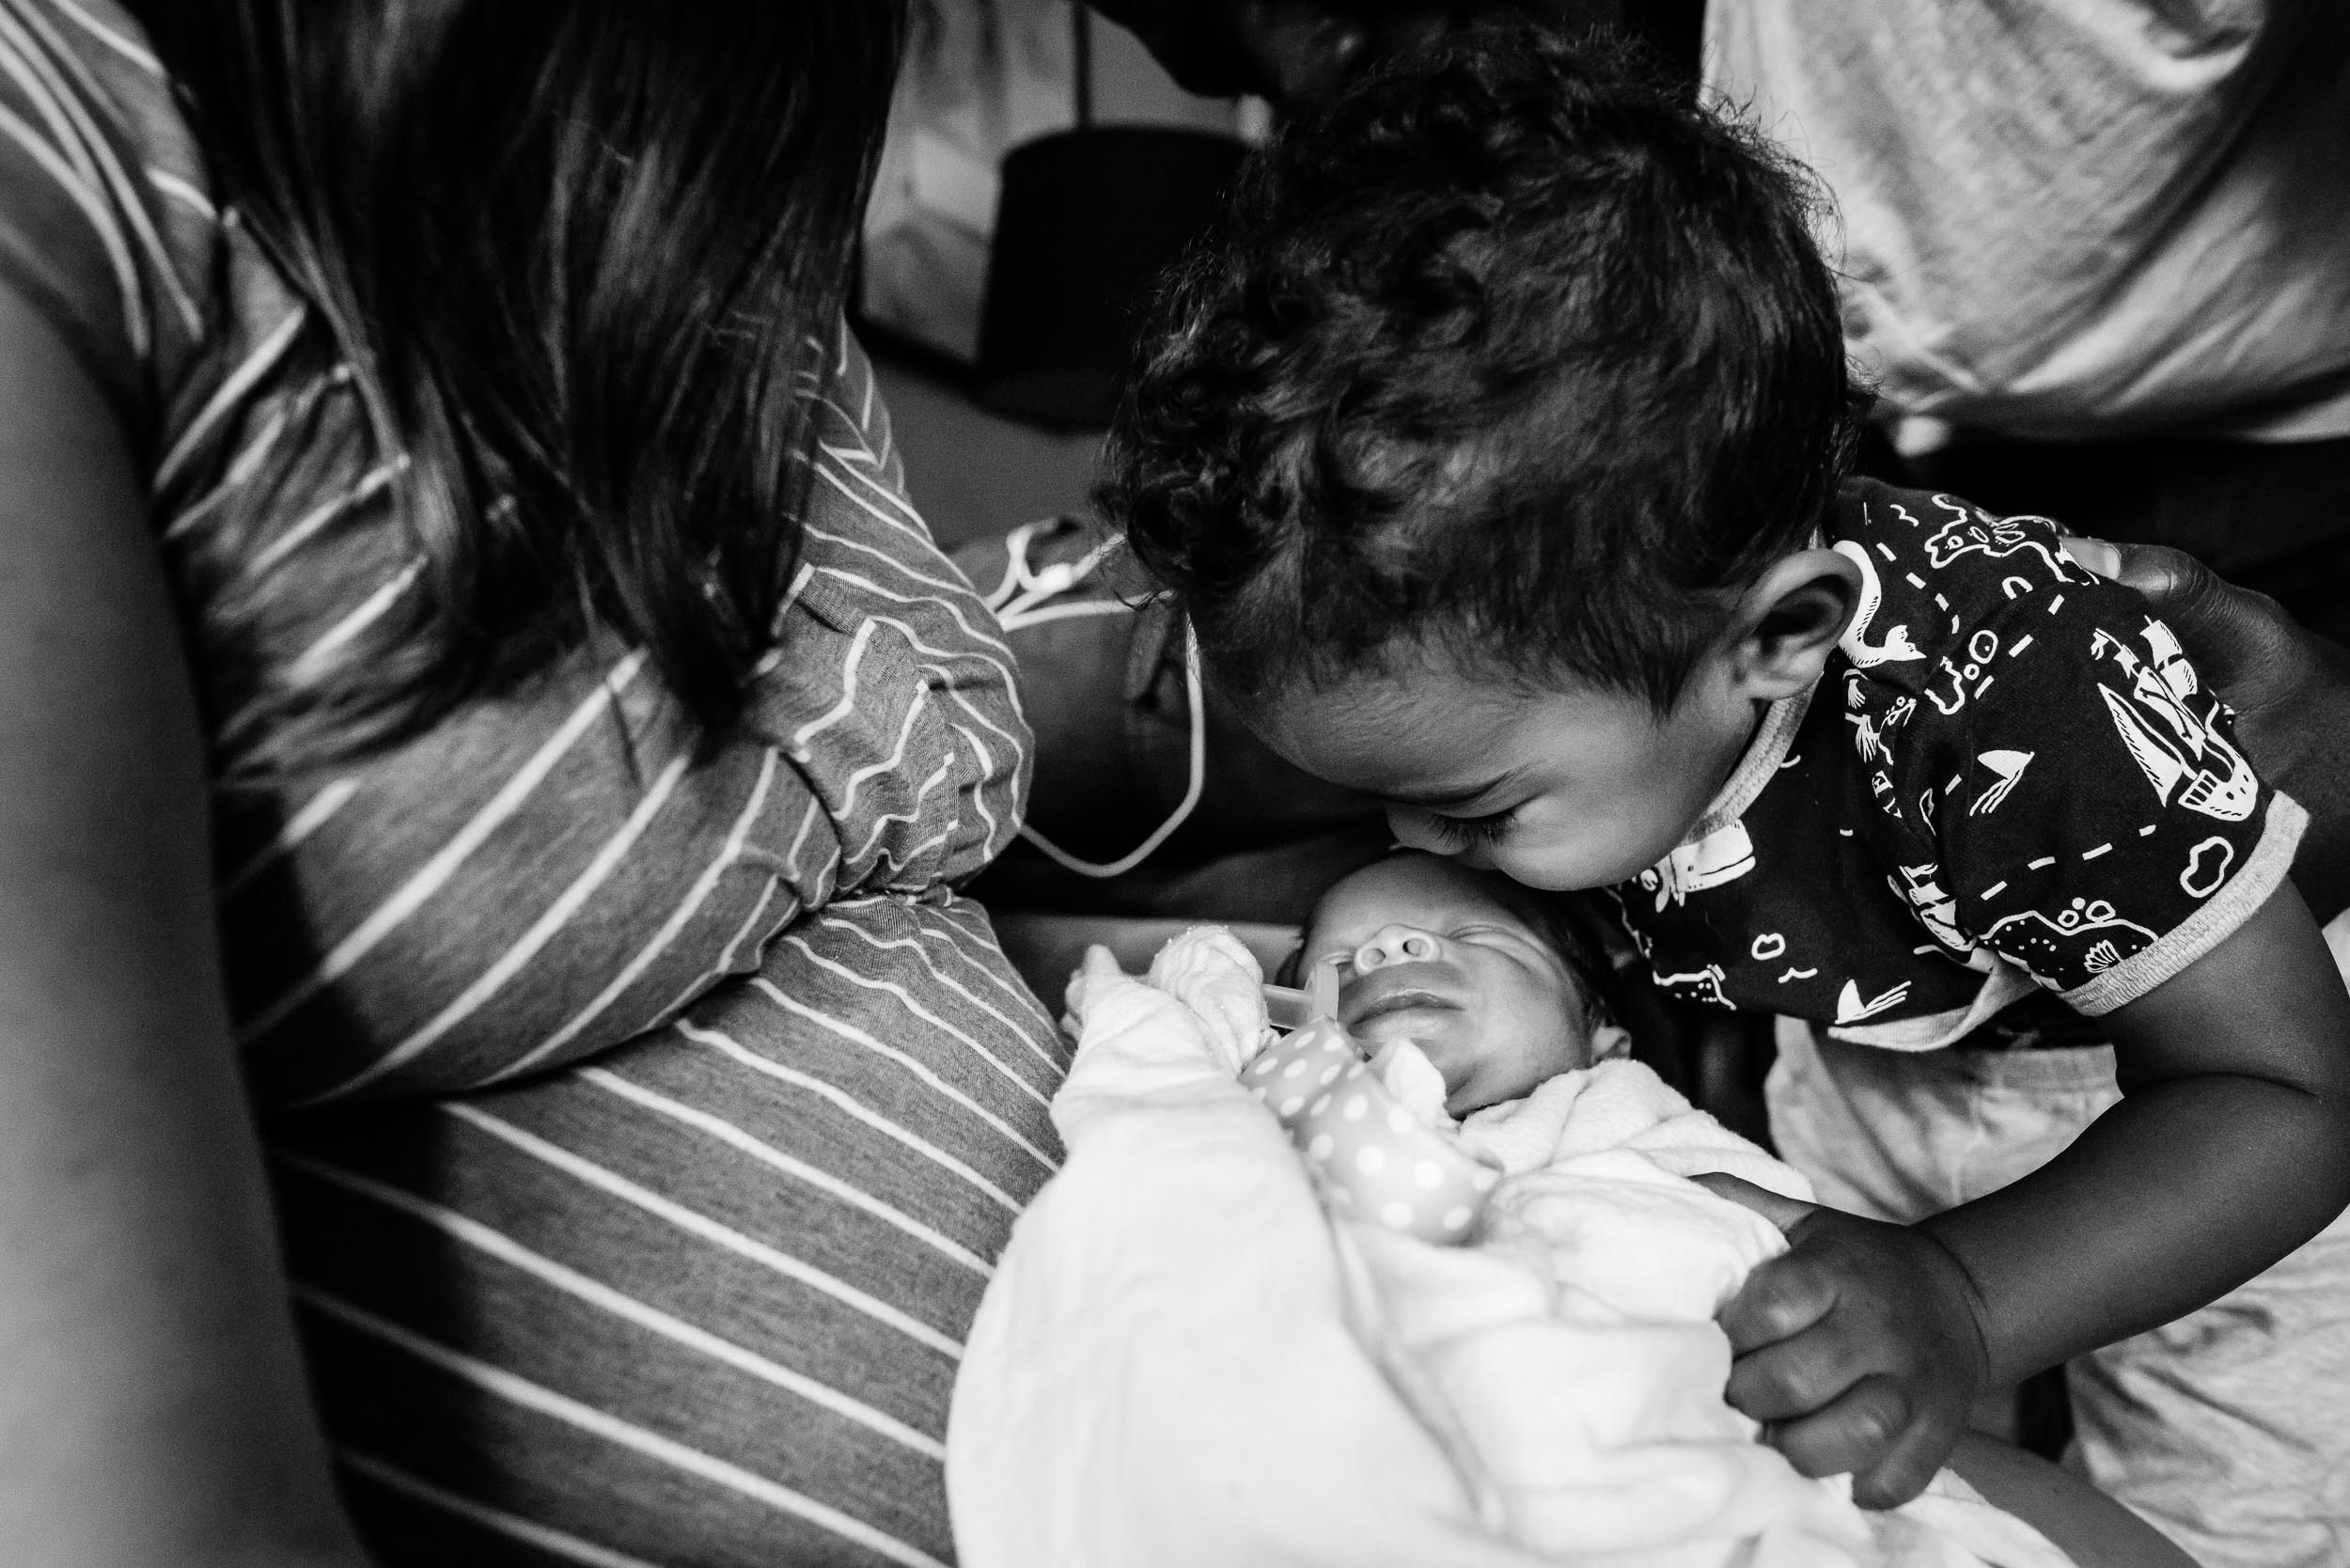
{"x": 1510, "y": 351}
{"x": 587, "y": 259}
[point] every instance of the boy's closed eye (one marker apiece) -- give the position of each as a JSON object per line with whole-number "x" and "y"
{"x": 1450, "y": 835}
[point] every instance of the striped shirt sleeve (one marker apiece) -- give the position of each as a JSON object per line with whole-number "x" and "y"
{"x": 542, "y": 876}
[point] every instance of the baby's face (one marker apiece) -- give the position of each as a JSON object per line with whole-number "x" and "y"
{"x": 1428, "y": 948}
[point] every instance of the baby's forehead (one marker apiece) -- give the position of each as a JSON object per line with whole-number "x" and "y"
{"x": 1412, "y": 888}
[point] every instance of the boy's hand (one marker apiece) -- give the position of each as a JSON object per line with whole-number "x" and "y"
{"x": 1861, "y": 1348}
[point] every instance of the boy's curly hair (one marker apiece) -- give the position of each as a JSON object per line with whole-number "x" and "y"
{"x": 1510, "y": 353}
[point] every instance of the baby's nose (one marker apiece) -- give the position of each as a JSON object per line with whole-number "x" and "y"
{"x": 1395, "y": 945}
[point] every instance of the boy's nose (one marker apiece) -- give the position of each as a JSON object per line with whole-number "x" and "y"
{"x": 1395, "y": 945}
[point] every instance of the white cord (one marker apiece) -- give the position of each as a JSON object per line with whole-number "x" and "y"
{"x": 1078, "y": 611}
{"x": 1019, "y": 600}
{"x": 1191, "y": 793}
{"x": 1015, "y": 556}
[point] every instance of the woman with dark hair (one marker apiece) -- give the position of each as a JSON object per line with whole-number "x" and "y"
{"x": 473, "y": 690}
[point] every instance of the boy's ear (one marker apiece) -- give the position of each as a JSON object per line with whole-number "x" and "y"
{"x": 1788, "y": 620}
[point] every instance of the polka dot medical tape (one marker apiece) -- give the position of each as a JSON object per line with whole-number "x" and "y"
{"x": 1370, "y": 1156}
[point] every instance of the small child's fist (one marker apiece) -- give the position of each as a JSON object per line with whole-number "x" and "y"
{"x": 1861, "y": 1350}
{"x": 1212, "y": 972}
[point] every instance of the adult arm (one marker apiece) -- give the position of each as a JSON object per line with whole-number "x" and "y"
{"x": 2089, "y": 1527}
{"x": 2291, "y": 692}
{"x": 154, "y": 1410}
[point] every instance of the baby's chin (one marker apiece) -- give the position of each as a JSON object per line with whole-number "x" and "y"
{"x": 1477, "y": 1094}
{"x": 1484, "y": 1083}
{"x": 1443, "y": 1036}
{"x": 1454, "y": 1044}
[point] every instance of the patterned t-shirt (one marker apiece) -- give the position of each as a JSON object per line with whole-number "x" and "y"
{"x": 2009, "y": 781}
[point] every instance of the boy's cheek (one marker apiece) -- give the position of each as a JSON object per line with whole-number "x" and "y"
{"x": 1536, "y": 871}
{"x": 1595, "y": 851}
{"x": 1561, "y": 867}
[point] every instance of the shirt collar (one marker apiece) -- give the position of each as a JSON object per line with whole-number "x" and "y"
{"x": 1764, "y": 753}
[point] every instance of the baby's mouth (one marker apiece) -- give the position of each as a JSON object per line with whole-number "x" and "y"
{"x": 1402, "y": 1002}
{"x": 1396, "y": 990}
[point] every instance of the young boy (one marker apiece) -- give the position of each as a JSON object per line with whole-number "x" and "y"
{"x": 1494, "y": 453}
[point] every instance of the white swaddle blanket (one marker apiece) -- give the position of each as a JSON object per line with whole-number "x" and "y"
{"x": 1183, "y": 1360}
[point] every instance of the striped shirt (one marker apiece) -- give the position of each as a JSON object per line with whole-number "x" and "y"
{"x": 645, "y": 1120}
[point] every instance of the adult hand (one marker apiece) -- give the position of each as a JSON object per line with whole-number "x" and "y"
{"x": 2291, "y": 692}
{"x": 1861, "y": 1348}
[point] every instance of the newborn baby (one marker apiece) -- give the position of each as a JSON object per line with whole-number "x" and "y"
{"x": 1435, "y": 989}
{"x": 1483, "y": 975}
{"x": 1473, "y": 996}
{"x": 1223, "y": 1363}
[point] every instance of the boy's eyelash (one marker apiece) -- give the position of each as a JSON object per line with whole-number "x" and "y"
{"x": 1472, "y": 831}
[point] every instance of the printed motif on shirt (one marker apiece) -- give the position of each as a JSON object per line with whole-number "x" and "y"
{"x": 2009, "y": 779}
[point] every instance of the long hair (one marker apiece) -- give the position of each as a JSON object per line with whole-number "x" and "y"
{"x": 585, "y": 257}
